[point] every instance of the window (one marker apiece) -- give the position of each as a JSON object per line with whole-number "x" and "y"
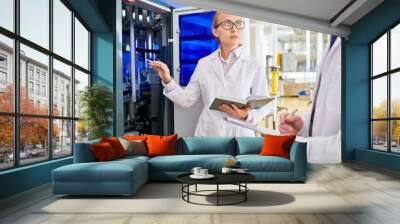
{"x": 7, "y": 14}
{"x": 38, "y": 89}
{"x": 7, "y": 141}
{"x": 30, "y": 87}
{"x": 3, "y": 72}
{"x": 3, "y": 61}
{"x": 30, "y": 72}
{"x": 395, "y": 47}
{"x": 63, "y": 74}
{"x": 3, "y": 78}
{"x": 44, "y": 91}
{"x": 81, "y": 45}
{"x": 62, "y": 140}
{"x": 34, "y": 21}
{"x": 62, "y": 29}
{"x": 50, "y": 135}
{"x": 81, "y": 81}
{"x": 6, "y": 73}
{"x": 385, "y": 95}
{"x": 37, "y": 74}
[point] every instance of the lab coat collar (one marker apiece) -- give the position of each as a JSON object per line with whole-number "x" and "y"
{"x": 238, "y": 52}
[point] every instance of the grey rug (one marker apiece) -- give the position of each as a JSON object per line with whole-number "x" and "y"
{"x": 166, "y": 198}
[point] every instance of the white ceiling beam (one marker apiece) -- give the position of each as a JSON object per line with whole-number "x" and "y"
{"x": 348, "y": 12}
{"x": 269, "y": 15}
{"x": 152, "y": 5}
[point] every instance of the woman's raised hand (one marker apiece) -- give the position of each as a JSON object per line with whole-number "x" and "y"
{"x": 162, "y": 70}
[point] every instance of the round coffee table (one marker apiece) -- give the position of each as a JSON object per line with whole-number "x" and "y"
{"x": 238, "y": 179}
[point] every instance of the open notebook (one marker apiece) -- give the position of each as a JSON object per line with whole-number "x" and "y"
{"x": 254, "y": 102}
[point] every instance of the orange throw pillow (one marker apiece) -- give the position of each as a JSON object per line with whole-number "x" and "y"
{"x": 277, "y": 145}
{"x": 161, "y": 145}
{"x": 116, "y": 145}
{"x": 135, "y": 137}
{"x": 103, "y": 151}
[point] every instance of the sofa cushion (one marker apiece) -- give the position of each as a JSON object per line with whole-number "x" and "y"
{"x": 257, "y": 163}
{"x": 134, "y": 147}
{"x": 185, "y": 163}
{"x": 83, "y": 152}
{"x": 208, "y": 145}
{"x": 277, "y": 145}
{"x": 161, "y": 145}
{"x": 116, "y": 145}
{"x": 112, "y": 171}
{"x": 103, "y": 152}
{"x": 135, "y": 137}
{"x": 249, "y": 145}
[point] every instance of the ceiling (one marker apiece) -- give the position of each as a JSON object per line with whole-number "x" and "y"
{"x": 324, "y": 16}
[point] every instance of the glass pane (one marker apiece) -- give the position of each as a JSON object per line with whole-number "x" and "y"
{"x": 7, "y": 14}
{"x": 35, "y": 21}
{"x": 62, "y": 89}
{"x": 6, "y": 74}
{"x": 395, "y": 136}
{"x": 379, "y": 135}
{"x": 6, "y": 142}
{"x": 81, "y": 45}
{"x": 395, "y": 94}
{"x": 62, "y": 138}
{"x": 395, "y": 47}
{"x": 379, "y": 98}
{"x": 33, "y": 139}
{"x": 81, "y": 131}
{"x": 379, "y": 55}
{"x": 34, "y": 97}
{"x": 62, "y": 29}
{"x": 81, "y": 81}
{"x": 195, "y": 41}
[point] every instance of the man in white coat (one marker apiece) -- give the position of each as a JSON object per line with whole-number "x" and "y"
{"x": 228, "y": 72}
{"x": 322, "y": 125}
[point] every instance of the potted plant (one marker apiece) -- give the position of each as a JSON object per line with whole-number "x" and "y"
{"x": 96, "y": 102}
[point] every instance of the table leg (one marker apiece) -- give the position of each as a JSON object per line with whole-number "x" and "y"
{"x": 188, "y": 190}
{"x": 217, "y": 194}
{"x": 196, "y": 188}
{"x": 245, "y": 193}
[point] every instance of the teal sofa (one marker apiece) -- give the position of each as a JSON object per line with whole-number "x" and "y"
{"x": 125, "y": 176}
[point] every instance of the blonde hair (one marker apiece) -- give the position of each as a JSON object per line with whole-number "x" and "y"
{"x": 215, "y": 23}
{"x": 216, "y": 19}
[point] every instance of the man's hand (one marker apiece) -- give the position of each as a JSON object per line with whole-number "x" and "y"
{"x": 235, "y": 111}
{"x": 290, "y": 124}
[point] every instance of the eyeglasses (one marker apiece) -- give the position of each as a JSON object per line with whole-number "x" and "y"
{"x": 228, "y": 25}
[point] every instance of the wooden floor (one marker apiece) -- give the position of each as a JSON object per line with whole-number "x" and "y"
{"x": 378, "y": 188}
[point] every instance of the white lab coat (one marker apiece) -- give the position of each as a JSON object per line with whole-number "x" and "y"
{"x": 325, "y": 144}
{"x": 245, "y": 78}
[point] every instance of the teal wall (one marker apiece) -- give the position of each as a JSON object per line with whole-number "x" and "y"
{"x": 356, "y": 85}
{"x": 99, "y": 16}
{"x": 24, "y": 178}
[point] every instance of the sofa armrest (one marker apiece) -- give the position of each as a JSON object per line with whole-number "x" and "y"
{"x": 83, "y": 152}
{"x": 298, "y": 155}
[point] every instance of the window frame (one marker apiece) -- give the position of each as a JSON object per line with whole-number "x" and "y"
{"x": 388, "y": 74}
{"x": 16, "y": 114}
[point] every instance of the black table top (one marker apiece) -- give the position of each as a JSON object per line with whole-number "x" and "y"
{"x": 220, "y": 178}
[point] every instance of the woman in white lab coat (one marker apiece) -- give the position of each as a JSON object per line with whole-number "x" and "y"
{"x": 227, "y": 72}
{"x": 322, "y": 128}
